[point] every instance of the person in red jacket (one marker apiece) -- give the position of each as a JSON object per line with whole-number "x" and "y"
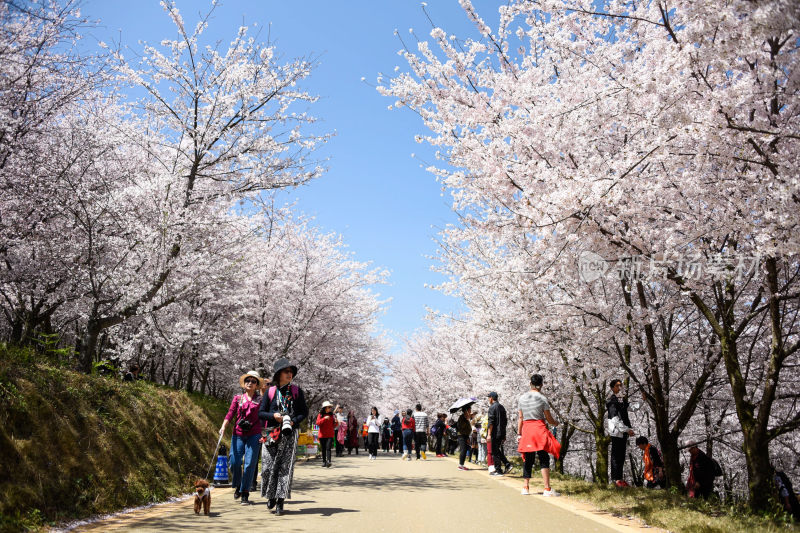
{"x": 327, "y": 425}
{"x": 409, "y": 427}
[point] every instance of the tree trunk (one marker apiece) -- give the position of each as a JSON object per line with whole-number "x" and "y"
{"x": 566, "y": 434}
{"x": 88, "y": 348}
{"x": 601, "y": 443}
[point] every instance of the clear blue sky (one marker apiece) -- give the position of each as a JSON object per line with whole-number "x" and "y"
{"x": 387, "y": 207}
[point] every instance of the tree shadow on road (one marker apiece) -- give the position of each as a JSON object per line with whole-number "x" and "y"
{"x": 387, "y": 482}
{"x": 324, "y": 511}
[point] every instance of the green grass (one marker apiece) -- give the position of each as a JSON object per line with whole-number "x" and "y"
{"x": 75, "y": 445}
{"x": 666, "y": 509}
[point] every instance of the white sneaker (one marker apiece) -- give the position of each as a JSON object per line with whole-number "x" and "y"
{"x": 491, "y": 469}
{"x": 525, "y": 492}
{"x": 551, "y": 493}
{"x": 404, "y": 456}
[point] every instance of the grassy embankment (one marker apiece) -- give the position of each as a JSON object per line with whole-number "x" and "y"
{"x": 666, "y": 509}
{"x": 74, "y": 445}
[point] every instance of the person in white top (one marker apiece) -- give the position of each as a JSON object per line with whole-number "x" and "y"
{"x": 373, "y": 431}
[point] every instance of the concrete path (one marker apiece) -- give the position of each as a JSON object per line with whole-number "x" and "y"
{"x": 382, "y": 495}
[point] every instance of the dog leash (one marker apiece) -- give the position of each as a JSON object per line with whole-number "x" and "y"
{"x": 216, "y": 449}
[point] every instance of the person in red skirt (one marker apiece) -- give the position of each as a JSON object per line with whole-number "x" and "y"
{"x": 535, "y": 439}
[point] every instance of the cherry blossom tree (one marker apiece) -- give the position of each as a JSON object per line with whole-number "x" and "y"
{"x": 666, "y": 133}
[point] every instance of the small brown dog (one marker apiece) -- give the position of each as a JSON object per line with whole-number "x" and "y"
{"x": 202, "y": 495}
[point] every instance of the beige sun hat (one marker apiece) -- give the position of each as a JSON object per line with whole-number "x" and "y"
{"x": 326, "y": 403}
{"x": 251, "y": 374}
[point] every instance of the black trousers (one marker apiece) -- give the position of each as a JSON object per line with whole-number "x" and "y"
{"x": 452, "y": 446}
{"x": 325, "y": 445}
{"x": 372, "y": 443}
{"x": 619, "y": 446}
{"x": 498, "y": 454}
{"x": 420, "y": 441}
{"x": 339, "y": 448}
{"x": 462, "y": 451}
{"x": 398, "y": 440}
{"x": 385, "y": 444}
{"x": 530, "y": 457}
{"x": 438, "y": 445}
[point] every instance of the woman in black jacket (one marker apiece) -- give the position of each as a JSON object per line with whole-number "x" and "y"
{"x": 282, "y": 408}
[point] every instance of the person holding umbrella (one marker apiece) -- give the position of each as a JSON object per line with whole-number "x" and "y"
{"x": 463, "y": 427}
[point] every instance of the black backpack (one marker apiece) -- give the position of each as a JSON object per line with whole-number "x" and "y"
{"x": 717, "y": 468}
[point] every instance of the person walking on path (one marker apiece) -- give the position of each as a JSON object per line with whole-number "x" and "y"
{"x": 495, "y": 440}
{"x": 373, "y": 432}
{"x": 246, "y": 434}
{"x": 653, "y": 473}
{"x": 364, "y": 433}
{"x": 352, "y": 433}
{"x": 422, "y": 428}
{"x": 283, "y": 408}
{"x": 535, "y": 438}
{"x": 327, "y": 429}
{"x": 619, "y": 428}
{"x": 386, "y": 434}
{"x": 397, "y": 432}
{"x": 464, "y": 430}
{"x": 341, "y": 430}
{"x": 408, "y": 426}
{"x": 439, "y": 428}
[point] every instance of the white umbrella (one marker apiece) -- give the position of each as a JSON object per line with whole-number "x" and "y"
{"x": 461, "y": 403}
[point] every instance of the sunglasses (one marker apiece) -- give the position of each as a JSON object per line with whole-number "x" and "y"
{"x": 250, "y": 381}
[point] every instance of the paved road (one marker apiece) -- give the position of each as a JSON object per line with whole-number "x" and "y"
{"x": 382, "y": 495}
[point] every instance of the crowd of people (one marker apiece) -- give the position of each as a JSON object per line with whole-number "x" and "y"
{"x": 268, "y": 414}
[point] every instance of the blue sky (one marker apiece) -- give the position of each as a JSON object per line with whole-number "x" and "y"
{"x": 387, "y": 207}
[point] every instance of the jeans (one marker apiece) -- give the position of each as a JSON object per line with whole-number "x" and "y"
{"x": 420, "y": 442}
{"x": 372, "y": 443}
{"x": 462, "y": 451}
{"x": 244, "y": 448}
{"x": 325, "y": 445}
{"x": 408, "y": 437}
{"x": 619, "y": 446}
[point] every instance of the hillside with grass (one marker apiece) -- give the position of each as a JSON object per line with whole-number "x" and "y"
{"x": 74, "y": 445}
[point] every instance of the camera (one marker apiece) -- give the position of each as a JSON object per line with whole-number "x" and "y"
{"x": 244, "y": 424}
{"x": 286, "y": 426}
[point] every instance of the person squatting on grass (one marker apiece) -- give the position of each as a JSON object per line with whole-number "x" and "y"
{"x": 535, "y": 438}
{"x": 246, "y": 434}
{"x": 283, "y": 408}
{"x": 653, "y": 464}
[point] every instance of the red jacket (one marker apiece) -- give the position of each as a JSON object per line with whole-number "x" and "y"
{"x": 326, "y": 425}
{"x": 409, "y": 423}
